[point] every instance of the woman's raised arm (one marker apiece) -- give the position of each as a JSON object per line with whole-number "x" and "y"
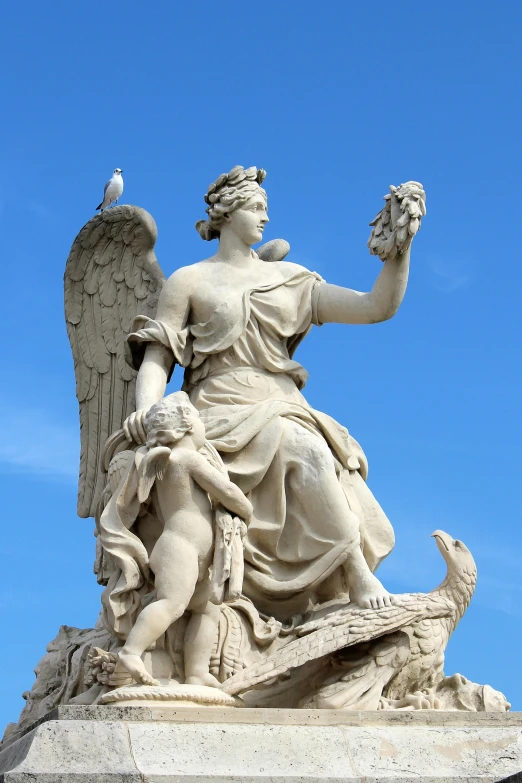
{"x": 344, "y": 306}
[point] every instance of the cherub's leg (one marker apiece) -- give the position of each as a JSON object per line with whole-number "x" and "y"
{"x": 200, "y": 637}
{"x": 175, "y": 564}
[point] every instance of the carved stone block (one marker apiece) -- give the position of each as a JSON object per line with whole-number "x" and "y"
{"x": 216, "y": 745}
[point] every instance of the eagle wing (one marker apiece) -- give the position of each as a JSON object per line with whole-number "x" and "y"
{"x": 343, "y": 628}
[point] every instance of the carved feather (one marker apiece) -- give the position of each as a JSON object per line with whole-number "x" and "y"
{"x": 111, "y": 276}
{"x": 406, "y": 655}
{"x": 351, "y": 626}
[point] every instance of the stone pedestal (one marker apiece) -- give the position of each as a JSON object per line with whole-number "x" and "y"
{"x": 217, "y": 745}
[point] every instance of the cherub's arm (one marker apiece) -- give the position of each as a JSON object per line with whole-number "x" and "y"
{"x": 219, "y": 487}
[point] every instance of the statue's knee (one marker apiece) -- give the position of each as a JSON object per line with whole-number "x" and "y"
{"x": 352, "y": 534}
{"x": 315, "y": 458}
{"x": 174, "y": 609}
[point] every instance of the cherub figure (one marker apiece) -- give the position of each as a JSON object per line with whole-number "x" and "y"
{"x": 182, "y": 480}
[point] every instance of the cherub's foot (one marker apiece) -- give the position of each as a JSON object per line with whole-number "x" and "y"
{"x": 136, "y": 668}
{"x": 369, "y": 593}
{"x": 203, "y": 679}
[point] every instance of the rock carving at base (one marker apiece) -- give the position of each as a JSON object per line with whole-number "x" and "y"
{"x": 237, "y": 538}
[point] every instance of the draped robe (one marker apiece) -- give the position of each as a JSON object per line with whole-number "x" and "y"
{"x": 241, "y": 376}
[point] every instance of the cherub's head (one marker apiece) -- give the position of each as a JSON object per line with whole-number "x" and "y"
{"x": 236, "y": 202}
{"x": 171, "y": 419}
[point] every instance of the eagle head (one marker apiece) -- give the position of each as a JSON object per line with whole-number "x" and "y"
{"x": 462, "y": 571}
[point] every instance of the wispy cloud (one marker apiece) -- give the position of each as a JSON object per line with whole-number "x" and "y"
{"x": 31, "y": 441}
{"x": 500, "y": 595}
{"x": 12, "y": 198}
{"x": 498, "y": 585}
{"x": 506, "y": 558}
{"x": 41, "y": 212}
{"x": 449, "y": 274}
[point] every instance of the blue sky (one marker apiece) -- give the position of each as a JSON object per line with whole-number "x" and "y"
{"x": 336, "y": 100}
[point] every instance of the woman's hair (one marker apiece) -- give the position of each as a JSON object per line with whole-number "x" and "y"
{"x": 165, "y": 423}
{"x": 229, "y": 192}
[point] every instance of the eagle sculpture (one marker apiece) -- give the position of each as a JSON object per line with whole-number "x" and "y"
{"x": 392, "y": 652}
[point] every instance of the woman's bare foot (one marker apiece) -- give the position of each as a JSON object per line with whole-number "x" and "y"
{"x": 368, "y": 593}
{"x": 203, "y": 679}
{"x": 136, "y": 668}
{"x": 365, "y": 589}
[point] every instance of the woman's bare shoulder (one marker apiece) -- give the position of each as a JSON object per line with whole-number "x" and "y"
{"x": 289, "y": 269}
{"x": 185, "y": 281}
{"x": 185, "y": 274}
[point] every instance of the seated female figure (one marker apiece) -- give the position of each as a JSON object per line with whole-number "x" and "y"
{"x": 234, "y": 321}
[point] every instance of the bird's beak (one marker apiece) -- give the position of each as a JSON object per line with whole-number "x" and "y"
{"x": 443, "y": 540}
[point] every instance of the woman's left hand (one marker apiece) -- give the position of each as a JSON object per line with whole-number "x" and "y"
{"x": 134, "y": 427}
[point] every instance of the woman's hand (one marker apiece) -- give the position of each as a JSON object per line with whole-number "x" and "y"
{"x": 134, "y": 427}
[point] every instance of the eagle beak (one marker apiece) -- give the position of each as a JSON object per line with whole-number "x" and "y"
{"x": 443, "y": 540}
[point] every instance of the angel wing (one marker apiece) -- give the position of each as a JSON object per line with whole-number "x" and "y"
{"x": 340, "y": 629}
{"x": 111, "y": 276}
{"x": 398, "y": 221}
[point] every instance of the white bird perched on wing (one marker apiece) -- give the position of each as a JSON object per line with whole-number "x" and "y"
{"x": 113, "y": 190}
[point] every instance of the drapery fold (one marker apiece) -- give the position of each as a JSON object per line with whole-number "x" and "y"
{"x": 241, "y": 376}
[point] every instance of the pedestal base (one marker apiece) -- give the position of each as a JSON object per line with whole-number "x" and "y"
{"x": 183, "y": 695}
{"x": 116, "y": 744}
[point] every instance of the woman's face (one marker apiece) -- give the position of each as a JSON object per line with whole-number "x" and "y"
{"x": 249, "y": 221}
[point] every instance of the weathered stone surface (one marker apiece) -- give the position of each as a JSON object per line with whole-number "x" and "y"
{"x": 256, "y": 746}
{"x": 71, "y": 750}
{"x": 259, "y": 599}
{"x": 149, "y": 461}
{"x": 171, "y": 713}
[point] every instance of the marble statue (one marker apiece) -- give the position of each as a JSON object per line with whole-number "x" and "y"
{"x": 237, "y": 538}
